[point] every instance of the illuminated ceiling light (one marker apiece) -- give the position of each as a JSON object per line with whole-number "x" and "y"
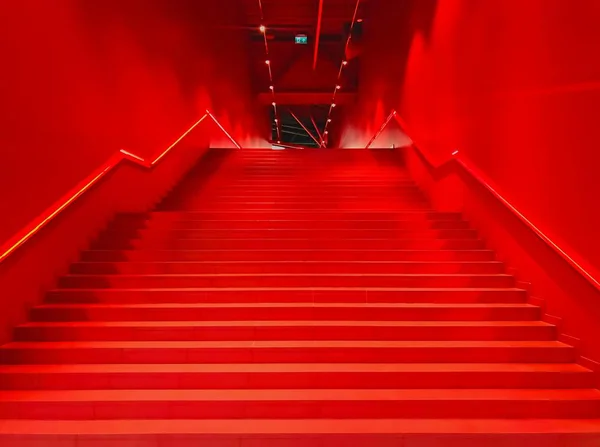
{"x": 274, "y": 104}
{"x": 359, "y": 20}
{"x": 337, "y": 87}
{"x": 344, "y": 62}
{"x": 328, "y": 120}
{"x": 276, "y": 120}
{"x": 326, "y": 132}
{"x": 268, "y": 62}
{"x": 278, "y": 141}
{"x": 262, "y": 28}
{"x": 333, "y": 105}
{"x": 271, "y": 87}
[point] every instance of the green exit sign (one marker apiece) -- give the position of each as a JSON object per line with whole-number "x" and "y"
{"x": 301, "y": 39}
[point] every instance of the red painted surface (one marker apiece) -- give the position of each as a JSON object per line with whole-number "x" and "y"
{"x": 515, "y": 92}
{"x": 519, "y": 98}
{"x": 55, "y": 211}
{"x": 425, "y": 303}
{"x": 287, "y": 288}
{"x": 84, "y": 79}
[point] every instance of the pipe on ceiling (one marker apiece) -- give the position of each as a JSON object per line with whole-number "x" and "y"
{"x": 318, "y": 34}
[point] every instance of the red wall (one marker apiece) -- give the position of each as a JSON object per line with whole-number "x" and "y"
{"x": 82, "y": 79}
{"x": 515, "y": 87}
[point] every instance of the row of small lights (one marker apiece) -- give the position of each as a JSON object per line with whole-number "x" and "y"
{"x": 338, "y": 85}
{"x": 263, "y": 30}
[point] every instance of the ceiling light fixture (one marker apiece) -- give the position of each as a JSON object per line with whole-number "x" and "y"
{"x": 263, "y": 30}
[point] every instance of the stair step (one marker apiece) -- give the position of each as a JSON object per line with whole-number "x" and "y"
{"x": 307, "y": 403}
{"x": 297, "y": 376}
{"x": 373, "y": 215}
{"x": 285, "y": 311}
{"x": 298, "y": 254}
{"x": 232, "y": 267}
{"x": 284, "y": 330}
{"x": 215, "y": 206}
{"x": 289, "y": 295}
{"x": 303, "y": 432}
{"x": 285, "y": 224}
{"x": 290, "y": 244}
{"x": 287, "y": 352}
{"x": 286, "y": 233}
{"x": 286, "y": 280}
{"x": 316, "y": 195}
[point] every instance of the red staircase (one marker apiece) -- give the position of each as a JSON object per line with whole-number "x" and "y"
{"x": 292, "y": 298}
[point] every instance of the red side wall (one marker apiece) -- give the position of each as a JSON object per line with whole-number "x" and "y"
{"x": 82, "y": 79}
{"x": 515, "y": 87}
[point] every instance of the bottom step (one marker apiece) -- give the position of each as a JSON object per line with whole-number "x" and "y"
{"x": 300, "y": 433}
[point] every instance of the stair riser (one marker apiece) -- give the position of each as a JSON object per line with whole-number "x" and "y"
{"x": 376, "y": 409}
{"x": 234, "y": 333}
{"x": 140, "y": 282}
{"x": 159, "y": 234}
{"x": 283, "y": 224}
{"x": 304, "y": 380}
{"x": 302, "y": 188}
{"x": 287, "y": 255}
{"x": 317, "y": 192}
{"x": 285, "y": 296}
{"x": 294, "y": 179}
{"x": 181, "y": 268}
{"x": 372, "y": 215}
{"x": 215, "y": 206}
{"x": 46, "y": 356}
{"x": 294, "y": 244}
{"x": 316, "y": 195}
{"x": 46, "y": 314}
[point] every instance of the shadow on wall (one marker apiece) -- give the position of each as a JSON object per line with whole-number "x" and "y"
{"x": 84, "y": 79}
{"x": 389, "y": 33}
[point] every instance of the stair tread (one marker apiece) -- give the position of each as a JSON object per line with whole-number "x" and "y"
{"x": 262, "y": 344}
{"x": 181, "y": 239}
{"x": 284, "y": 323}
{"x": 299, "y": 395}
{"x": 307, "y": 210}
{"x": 300, "y": 261}
{"x": 285, "y": 275}
{"x": 366, "y": 288}
{"x": 177, "y": 275}
{"x": 310, "y": 250}
{"x": 250, "y": 427}
{"x": 287, "y": 305}
{"x": 296, "y": 368}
